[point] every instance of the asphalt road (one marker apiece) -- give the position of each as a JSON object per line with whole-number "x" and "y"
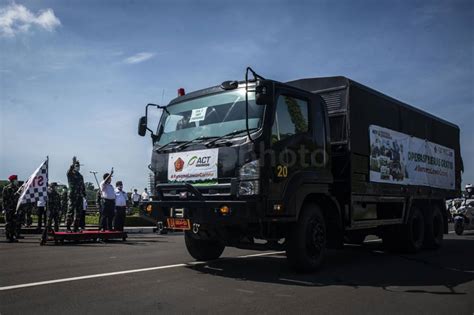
{"x": 154, "y": 274}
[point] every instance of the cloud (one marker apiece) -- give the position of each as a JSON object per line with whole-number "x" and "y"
{"x": 16, "y": 18}
{"x": 140, "y": 57}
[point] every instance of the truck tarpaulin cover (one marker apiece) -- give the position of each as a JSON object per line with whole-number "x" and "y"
{"x": 398, "y": 158}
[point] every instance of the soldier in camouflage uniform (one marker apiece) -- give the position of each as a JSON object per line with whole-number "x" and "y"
{"x": 10, "y": 200}
{"x": 77, "y": 191}
{"x": 52, "y": 212}
{"x": 64, "y": 204}
{"x": 28, "y": 213}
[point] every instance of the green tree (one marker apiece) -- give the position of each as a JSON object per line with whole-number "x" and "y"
{"x": 296, "y": 115}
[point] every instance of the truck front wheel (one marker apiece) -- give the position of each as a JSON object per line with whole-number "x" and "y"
{"x": 203, "y": 249}
{"x": 306, "y": 244}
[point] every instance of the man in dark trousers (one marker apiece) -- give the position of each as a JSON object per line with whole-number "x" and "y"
{"x": 10, "y": 200}
{"x": 121, "y": 199}
{"x": 64, "y": 204}
{"x": 41, "y": 211}
{"x": 108, "y": 199}
{"x": 53, "y": 208}
{"x": 77, "y": 191}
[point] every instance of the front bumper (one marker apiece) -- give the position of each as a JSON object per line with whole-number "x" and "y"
{"x": 206, "y": 211}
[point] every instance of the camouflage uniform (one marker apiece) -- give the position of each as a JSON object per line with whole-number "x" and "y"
{"x": 64, "y": 205}
{"x": 10, "y": 200}
{"x": 28, "y": 213}
{"x": 53, "y": 208}
{"x": 77, "y": 191}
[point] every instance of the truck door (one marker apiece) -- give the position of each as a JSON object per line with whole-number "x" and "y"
{"x": 291, "y": 139}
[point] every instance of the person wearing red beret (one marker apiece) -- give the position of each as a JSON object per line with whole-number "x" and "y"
{"x": 10, "y": 199}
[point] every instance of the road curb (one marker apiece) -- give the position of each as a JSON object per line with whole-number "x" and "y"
{"x": 129, "y": 230}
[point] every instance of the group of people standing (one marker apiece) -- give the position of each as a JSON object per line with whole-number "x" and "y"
{"x": 14, "y": 217}
{"x": 113, "y": 203}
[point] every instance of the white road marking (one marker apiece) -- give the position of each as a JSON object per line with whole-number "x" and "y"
{"x": 109, "y": 274}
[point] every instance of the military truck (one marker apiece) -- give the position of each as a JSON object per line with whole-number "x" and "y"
{"x": 300, "y": 166}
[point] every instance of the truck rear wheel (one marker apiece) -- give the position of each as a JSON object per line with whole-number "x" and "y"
{"x": 203, "y": 249}
{"x": 434, "y": 229}
{"x": 408, "y": 237}
{"x": 306, "y": 244}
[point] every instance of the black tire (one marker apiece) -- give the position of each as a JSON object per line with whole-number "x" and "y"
{"x": 355, "y": 238}
{"x": 306, "y": 244}
{"x": 458, "y": 228}
{"x": 413, "y": 233}
{"x": 434, "y": 229}
{"x": 407, "y": 238}
{"x": 203, "y": 249}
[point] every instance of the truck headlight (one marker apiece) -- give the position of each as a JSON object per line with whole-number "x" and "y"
{"x": 250, "y": 170}
{"x": 249, "y": 175}
{"x": 249, "y": 187}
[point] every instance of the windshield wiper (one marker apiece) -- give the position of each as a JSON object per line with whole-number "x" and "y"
{"x": 169, "y": 143}
{"x": 186, "y": 143}
{"x": 230, "y": 134}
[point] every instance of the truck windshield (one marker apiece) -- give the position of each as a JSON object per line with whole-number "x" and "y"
{"x": 209, "y": 116}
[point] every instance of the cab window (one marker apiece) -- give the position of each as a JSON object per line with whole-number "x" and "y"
{"x": 291, "y": 118}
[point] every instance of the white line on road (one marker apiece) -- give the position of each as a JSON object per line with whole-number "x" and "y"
{"x": 109, "y": 274}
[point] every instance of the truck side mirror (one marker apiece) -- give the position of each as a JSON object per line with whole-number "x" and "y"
{"x": 142, "y": 126}
{"x": 264, "y": 92}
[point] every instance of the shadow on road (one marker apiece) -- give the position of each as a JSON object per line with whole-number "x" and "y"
{"x": 361, "y": 266}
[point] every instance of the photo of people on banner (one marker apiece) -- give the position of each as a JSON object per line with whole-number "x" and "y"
{"x": 399, "y": 158}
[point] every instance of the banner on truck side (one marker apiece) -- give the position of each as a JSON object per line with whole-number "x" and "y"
{"x": 193, "y": 166}
{"x": 398, "y": 158}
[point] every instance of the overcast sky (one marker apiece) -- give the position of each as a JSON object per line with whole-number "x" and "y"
{"x": 75, "y": 75}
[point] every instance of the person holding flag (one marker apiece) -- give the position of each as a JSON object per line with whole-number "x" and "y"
{"x": 108, "y": 196}
{"x": 10, "y": 200}
{"x": 77, "y": 191}
{"x": 35, "y": 189}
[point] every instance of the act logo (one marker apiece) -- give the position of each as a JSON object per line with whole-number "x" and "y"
{"x": 202, "y": 161}
{"x": 178, "y": 165}
{"x": 192, "y": 160}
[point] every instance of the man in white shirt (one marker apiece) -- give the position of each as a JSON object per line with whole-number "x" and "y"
{"x": 108, "y": 197}
{"x": 136, "y": 198}
{"x": 121, "y": 199}
{"x": 41, "y": 211}
{"x": 145, "y": 195}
